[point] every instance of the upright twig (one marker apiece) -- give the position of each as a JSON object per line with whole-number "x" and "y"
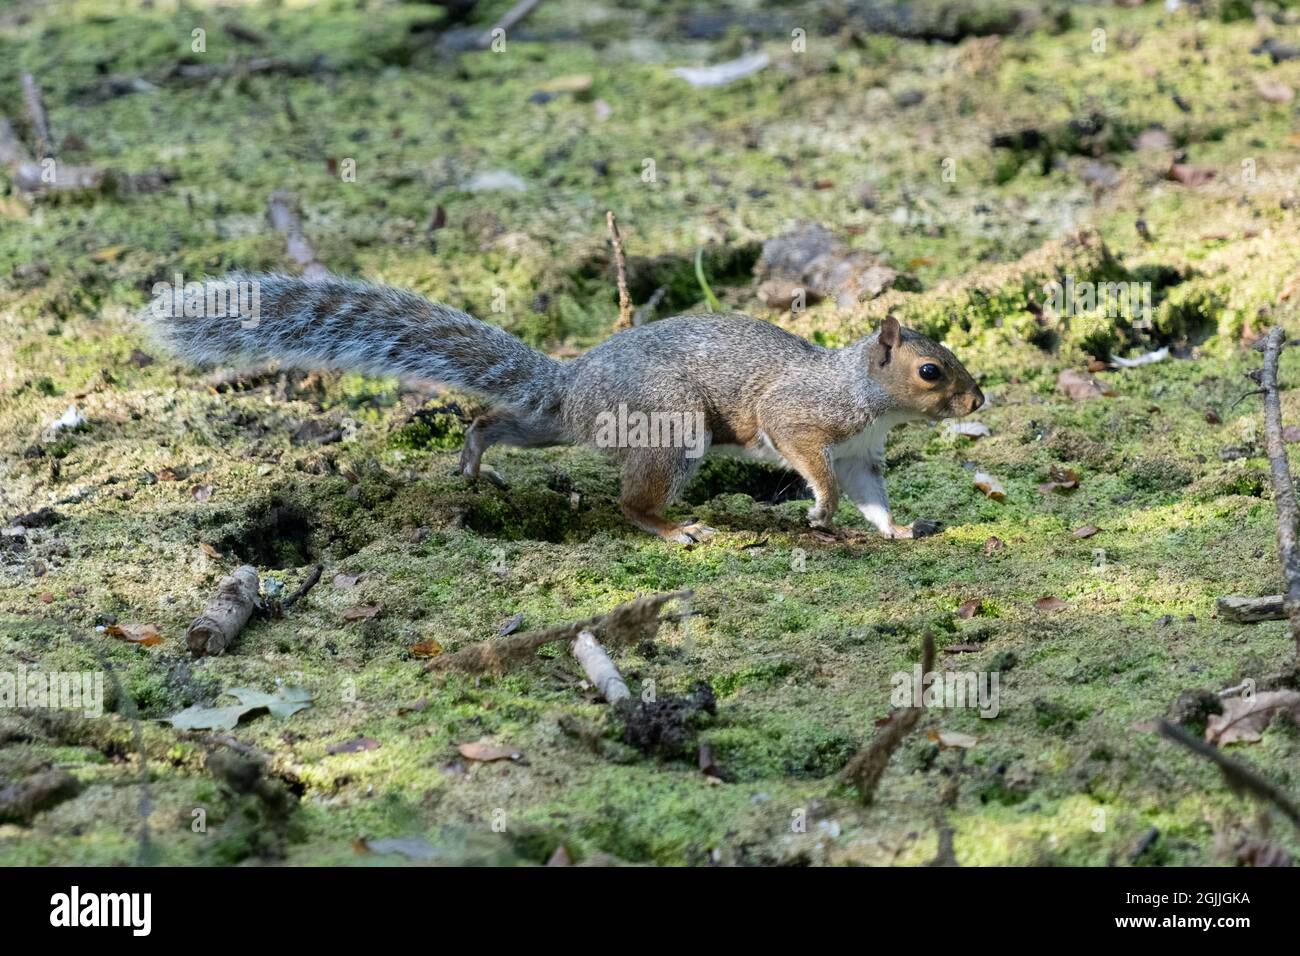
{"x": 620, "y": 263}
{"x": 282, "y": 210}
{"x": 1288, "y": 513}
{"x": 36, "y": 115}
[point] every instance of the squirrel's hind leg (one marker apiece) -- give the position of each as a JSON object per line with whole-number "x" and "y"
{"x": 652, "y": 477}
{"x": 503, "y": 427}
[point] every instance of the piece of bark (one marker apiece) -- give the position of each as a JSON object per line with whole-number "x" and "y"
{"x": 1248, "y": 610}
{"x": 600, "y": 670}
{"x": 21, "y": 801}
{"x": 282, "y": 210}
{"x": 226, "y": 613}
{"x": 809, "y": 257}
{"x": 509, "y": 20}
{"x": 868, "y": 765}
{"x": 1288, "y": 513}
{"x": 628, "y": 623}
{"x": 36, "y": 116}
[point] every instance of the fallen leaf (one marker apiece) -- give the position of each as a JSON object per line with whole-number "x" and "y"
{"x": 969, "y": 609}
{"x": 950, "y": 738}
{"x": 1087, "y": 531}
{"x": 201, "y": 492}
{"x": 1244, "y": 721}
{"x": 1212, "y": 417}
{"x": 1191, "y": 176}
{"x": 510, "y": 625}
{"x": 107, "y": 254}
{"x": 723, "y": 73}
{"x": 429, "y": 648}
{"x": 47, "y": 597}
{"x": 1050, "y": 603}
{"x": 145, "y": 634}
{"x": 364, "y": 612}
{"x": 1291, "y": 433}
{"x": 483, "y": 751}
{"x": 284, "y": 704}
{"x": 1146, "y": 358}
{"x": 1080, "y": 386}
{"x": 989, "y": 485}
{"x": 967, "y": 430}
{"x": 413, "y": 708}
{"x": 1059, "y": 479}
{"x": 356, "y": 745}
{"x": 346, "y": 580}
{"x": 169, "y": 473}
{"x": 575, "y": 83}
{"x": 209, "y": 550}
{"x": 1273, "y": 91}
{"x": 993, "y": 543}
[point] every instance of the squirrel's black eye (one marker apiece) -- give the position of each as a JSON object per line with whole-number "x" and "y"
{"x": 930, "y": 372}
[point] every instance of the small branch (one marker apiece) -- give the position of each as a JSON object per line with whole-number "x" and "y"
{"x": 226, "y": 613}
{"x": 868, "y": 765}
{"x": 645, "y": 312}
{"x": 1239, "y": 777}
{"x": 600, "y": 670}
{"x": 620, "y": 263}
{"x": 1288, "y": 514}
{"x": 511, "y": 19}
{"x": 628, "y": 623}
{"x": 36, "y": 116}
{"x": 1247, "y": 610}
{"x": 282, "y": 210}
{"x": 303, "y": 588}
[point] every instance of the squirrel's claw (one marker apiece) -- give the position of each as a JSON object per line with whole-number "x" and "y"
{"x": 692, "y": 533}
{"x": 899, "y": 531}
{"x": 820, "y": 519}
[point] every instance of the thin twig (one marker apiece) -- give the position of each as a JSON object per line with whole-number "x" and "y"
{"x": 282, "y": 210}
{"x": 868, "y": 765}
{"x": 1288, "y": 513}
{"x": 620, "y": 263}
{"x": 511, "y": 19}
{"x": 36, "y": 115}
{"x": 1237, "y": 775}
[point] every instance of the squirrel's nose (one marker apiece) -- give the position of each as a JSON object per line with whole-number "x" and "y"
{"x": 976, "y": 401}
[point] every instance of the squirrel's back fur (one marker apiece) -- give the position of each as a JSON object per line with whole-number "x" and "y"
{"x": 345, "y": 324}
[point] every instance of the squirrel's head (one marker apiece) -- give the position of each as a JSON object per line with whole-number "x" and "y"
{"x": 920, "y": 374}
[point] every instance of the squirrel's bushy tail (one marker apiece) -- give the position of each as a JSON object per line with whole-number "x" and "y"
{"x": 344, "y": 324}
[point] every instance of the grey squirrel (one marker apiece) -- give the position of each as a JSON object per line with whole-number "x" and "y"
{"x": 716, "y": 380}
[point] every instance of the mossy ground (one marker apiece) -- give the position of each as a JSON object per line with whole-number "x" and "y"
{"x": 797, "y": 636}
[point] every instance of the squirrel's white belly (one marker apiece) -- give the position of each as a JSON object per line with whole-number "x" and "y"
{"x": 762, "y": 450}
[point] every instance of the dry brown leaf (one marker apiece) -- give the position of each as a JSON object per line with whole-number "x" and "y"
{"x": 145, "y": 634}
{"x": 1244, "y": 721}
{"x": 364, "y": 612}
{"x": 201, "y": 492}
{"x": 969, "y": 609}
{"x": 576, "y": 83}
{"x": 1060, "y": 479}
{"x": 1087, "y": 531}
{"x": 209, "y": 550}
{"x": 342, "y": 580}
{"x": 483, "y": 751}
{"x": 429, "y": 648}
{"x": 1273, "y": 91}
{"x": 1049, "y": 603}
{"x": 989, "y": 485}
{"x": 1080, "y": 386}
{"x": 1291, "y": 433}
{"x": 47, "y": 597}
{"x": 994, "y": 543}
{"x": 1189, "y": 175}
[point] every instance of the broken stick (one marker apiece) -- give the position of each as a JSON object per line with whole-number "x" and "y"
{"x": 600, "y": 670}
{"x": 282, "y": 210}
{"x": 225, "y": 614}
{"x": 868, "y": 765}
{"x": 625, "y": 315}
{"x": 1288, "y": 514}
{"x": 625, "y": 624}
{"x": 1248, "y": 610}
{"x": 511, "y": 19}
{"x": 36, "y": 116}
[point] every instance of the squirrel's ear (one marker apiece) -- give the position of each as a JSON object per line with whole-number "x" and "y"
{"x": 891, "y": 333}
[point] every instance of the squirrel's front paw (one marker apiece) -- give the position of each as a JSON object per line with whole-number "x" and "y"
{"x": 692, "y": 533}
{"x": 899, "y": 531}
{"x": 819, "y": 517}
